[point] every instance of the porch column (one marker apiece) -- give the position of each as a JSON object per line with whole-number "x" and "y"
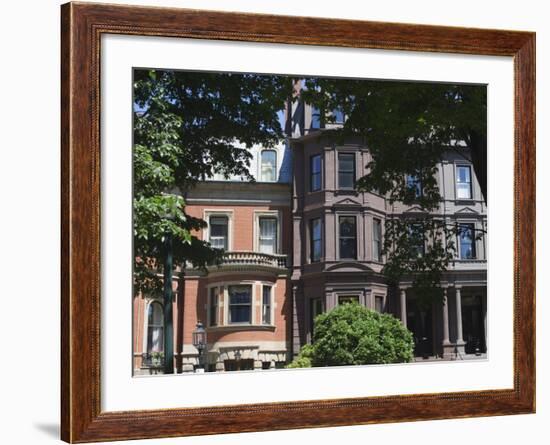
{"x": 447, "y": 346}
{"x": 445, "y": 307}
{"x": 403, "y": 305}
{"x": 459, "y": 334}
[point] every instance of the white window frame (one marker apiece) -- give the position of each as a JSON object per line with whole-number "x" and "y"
{"x": 207, "y": 213}
{"x": 146, "y": 323}
{"x": 271, "y": 305}
{"x": 256, "y": 232}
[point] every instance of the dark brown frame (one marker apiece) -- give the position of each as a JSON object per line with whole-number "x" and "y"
{"x": 82, "y": 26}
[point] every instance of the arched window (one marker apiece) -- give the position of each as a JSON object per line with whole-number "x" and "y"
{"x": 155, "y": 327}
{"x": 269, "y": 166}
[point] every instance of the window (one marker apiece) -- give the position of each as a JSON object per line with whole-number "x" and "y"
{"x": 463, "y": 182}
{"x": 315, "y": 168}
{"x": 467, "y": 241}
{"x": 268, "y": 235}
{"x": 346, "y": 170}
{"x": 240, "y": 304}
{"x": 218, "y": 232}
{"x": 348, "y": 234}
{"x": 414, "y": 183}
{"x": 379, "y": 304}
{"x": 376, "y": 239}
{"x": 266, "y": 304}
{"x": 213, "y": 306}
{"x": 316, "y": 118}
{"x": 269, "y": 166}
{"x": 416, "y": 239}
{"x": 347, "y": 299}
{"x": 155, "y": 327}
{"x": 315, "y": 234}
{"x": 338, "y": 116}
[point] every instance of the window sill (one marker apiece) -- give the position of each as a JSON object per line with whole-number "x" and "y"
{"x": 346, "y": 191}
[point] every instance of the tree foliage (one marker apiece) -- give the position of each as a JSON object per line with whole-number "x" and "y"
{"x": 351, "y": 334}
{"x": 188, "y": 125}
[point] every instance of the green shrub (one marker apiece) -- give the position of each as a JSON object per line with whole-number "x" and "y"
{"x": 303, "y": 359}
{"x": 351, "y": 334}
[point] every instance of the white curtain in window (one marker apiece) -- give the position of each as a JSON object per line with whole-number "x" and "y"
{"x": 155, "y": 321}
{"x": 269, "y": 165}
{"x": 268, "y": 235}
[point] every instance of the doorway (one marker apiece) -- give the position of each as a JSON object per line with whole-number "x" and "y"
{"x": 473, "y": 324}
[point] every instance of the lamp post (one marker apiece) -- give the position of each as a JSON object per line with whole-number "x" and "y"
{"x": 238, "y": 360}
{"x": 168, "y": 296}
{"x": 199, "y": 342}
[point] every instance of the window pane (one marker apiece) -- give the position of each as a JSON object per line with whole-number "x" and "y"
{"x": 155, "y": 331}
{"x": 240, "y": 299}
{"x": 348, "y": 235}
{"x": 213, "y": 306}
{"x": 467, "y": 241}
{"x": 416, "y": 239}
{"x": 315, "y": 118}
{"x": 218, "y": 231}
{"x": 463, "y": 183}
{"x": 266, "y": 305}
{"x": 376, "y": 239}
{"x": 414, "y": 183}
{"x": 347, "y": 226}
{"x": 315, "y": 236}
{"x": 155, "y": 339}
{"x": 268, "y": 235}
{"x": 155, "y": 314}
{"x": 269, "y": 166}
{"x": 315, "y": 167}
{"x": 338, "y": 116}
{"x": 346, "y": 170}
{"x": 379, "y": 304}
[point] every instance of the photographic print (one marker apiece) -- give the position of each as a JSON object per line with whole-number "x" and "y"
{"x": 298, "y": 221}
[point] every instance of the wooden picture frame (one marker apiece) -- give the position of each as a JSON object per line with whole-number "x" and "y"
{"x": 82, "y": 26}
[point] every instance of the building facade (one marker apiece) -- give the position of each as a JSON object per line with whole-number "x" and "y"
{"x": 300, "y": 241}
{"x": 337, "y": 244}
{"x": 243, "y": 303}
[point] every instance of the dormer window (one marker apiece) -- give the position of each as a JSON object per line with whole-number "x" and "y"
{"x": 268, "y": 166}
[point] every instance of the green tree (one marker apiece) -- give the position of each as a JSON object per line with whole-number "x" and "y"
{"x": 188, "y": 125}
{"x": 408, "y": 127}
{"x": 351, "y": 334}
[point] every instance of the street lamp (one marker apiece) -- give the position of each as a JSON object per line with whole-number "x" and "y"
{"x": 199, "y": 342}
{"x": 168, "y": 297}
